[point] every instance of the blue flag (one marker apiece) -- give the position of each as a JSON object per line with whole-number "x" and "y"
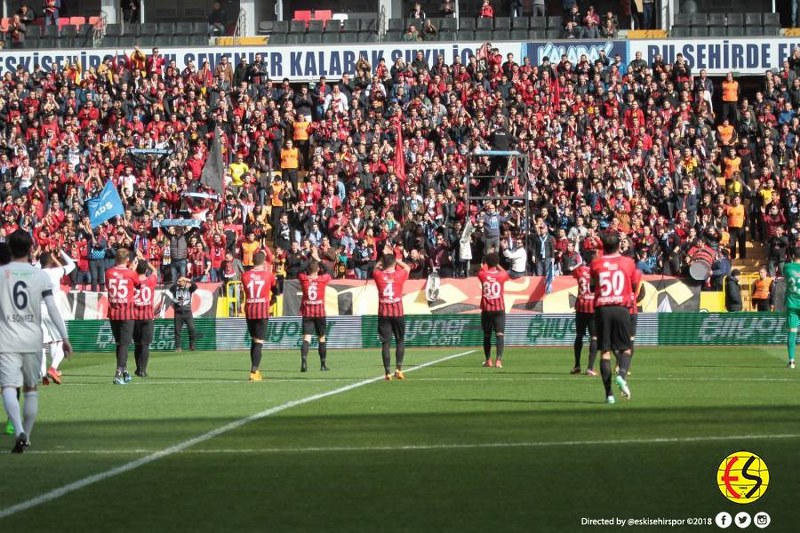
{"x": 105, "y": 206}
{"x": 548, "y": 280}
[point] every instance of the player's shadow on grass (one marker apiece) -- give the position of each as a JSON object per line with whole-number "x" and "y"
{"x": 515, "y": 400}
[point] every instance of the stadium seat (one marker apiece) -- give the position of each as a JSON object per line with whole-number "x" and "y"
{"x": 297, "y": 26}
{"x": 294, "y": 38}
{"x": 179, "y": 40}
{"x": 519, "y": 35}
{"x": 501, "y": 35}
{"x": 265, "y": 27}
{"x": 537, "y": 23}
{"x": 4, "y": 24}
{"x": 277, "y": 38}
{"x": 49, "y": 31}
{"x": 47, "y": 43}
{"x": 367, "y": 37}
{"x": 198, "y": 40}
{"x": 281, "y": 26}
{"x": 109, "y": 42}
{"x": 735, "y": 31}
{"x": 183, "y": 28}
{"x": 484, "y": 24}
{"x": 555, "y": 22}
{"x": 772, "y": 19}
{"x": 682, "y": 19}
{"x": 147, "y": 29}
{"x": 466, "y": 24}
{"x": 313, "y": 37}
{"x": 700, "y": 19}
{"x": 770, "y": 31}
{"x": 735, "y": 19}
{"x": 447, "y": 35}
{"x": 165, "y": 28}
{"x": 466, "y": 35}
{"x": 77, "y": 21}
{"x": 539, "y": 34}
{"x": 522, "y": 23}
{"x": 349, "y": 25}
{"x": 69, "y": 31}
{"x": 113, "y": 30}
{"x": 699, "y": 31}
{"x": 200, "y": 28}
{"x": 396, "y": 25}
{"x": 330, "y": 37}
{"x": 65, "y": 43}
{"x": 717, "y": 31}
{"x": 323, "y": 14}
{"x": 753, "y": 19}
{"x": 315, "y": 26}
{"x": 94, "y": 20}
{"x": 393, "y": 36}
{"x": 483, "y": 35}
{"x": 502, "y": 23}
{"x": 754, "y": 31}
{"x": 348, "y": 37}
{"x": 554, "y": 33}
{"x": 716, "y": 19}
{"x": 368, "y": 24}
{"x": 303, "y": 14}
{"x": 126, "y": 41}
{"x": 449, "y": 24}
{"x": 63, "y": 21}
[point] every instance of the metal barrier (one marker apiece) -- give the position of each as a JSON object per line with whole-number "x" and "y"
{"x": 233, "y": 294}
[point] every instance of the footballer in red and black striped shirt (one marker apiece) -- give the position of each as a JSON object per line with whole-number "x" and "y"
{"x": 390, "y": 276}
{"x": 312, "y": 307}
{"x": 143, "y": 317}
{"x": 584, "y": 319}
{"x": 259, "y": 293}
{"x": 121, "y": 283}
{"x": 493, "y": 307}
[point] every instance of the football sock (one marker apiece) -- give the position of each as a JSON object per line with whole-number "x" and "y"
{"x": 29, "y": 408}
{"x": 577, "y": 347}
{"x": 44, "y": 360}
{"x": 122, "y": 356}
{"x": 400, "y": 354}
{"x": 323, "y": 352}
{"x": 605, "y": 371}
{"x": 144, "y": 357}
{"x": 501, "y": 344}
{"x": 11, "y": 403}
{"x": 255, "y": 356}
{"x": 56, "y": 354}
{"x": 487, "y": 347}
{"x": 624, "y": 364}
{"x": 592, "y": 353}
{"x": 791, "y": 344}
{"x": 137, "y": 355}
{"x": 386, "y": 355}
{"x": 304, "y": 351}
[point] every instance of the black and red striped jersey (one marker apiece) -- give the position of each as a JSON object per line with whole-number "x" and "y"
{"x": 258, "y": 284}
{"x": 312, "y": 304}
{"x": 121, "y": 283}
{"x": 390, "y": 291}
{"x": 585, "y": 301}
{"x": 615, "y": 277}
{"x": 493, "y": 282}
{"x": 144, "y": 298}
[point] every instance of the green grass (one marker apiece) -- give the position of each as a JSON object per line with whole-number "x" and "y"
{"x": 455, "y": 447}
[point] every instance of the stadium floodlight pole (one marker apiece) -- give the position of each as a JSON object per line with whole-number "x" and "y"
{"x": 458, "y": 14}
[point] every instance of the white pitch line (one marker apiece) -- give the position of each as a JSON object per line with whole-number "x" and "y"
{"x": 172, "y": 450}
{"x": 454, "y": 446}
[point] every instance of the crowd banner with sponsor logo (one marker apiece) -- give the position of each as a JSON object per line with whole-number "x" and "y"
{"x": 96, "y": 336}
{"x": 751, "y": 55}
{"x": 721, "y": 328}
{"x": 287, "y": 333}
{"x": 302, "y": 63}
{"x": 87, "y": 305}
{"x": 553, "y": 50}
{"x": 524, "y": 295}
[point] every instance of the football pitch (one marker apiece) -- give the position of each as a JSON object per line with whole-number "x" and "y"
{"x": 454, "y": 447}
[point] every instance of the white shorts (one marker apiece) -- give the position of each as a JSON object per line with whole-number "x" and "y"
{"x": 49, "y": 330}
{"x": 20, "y": 369}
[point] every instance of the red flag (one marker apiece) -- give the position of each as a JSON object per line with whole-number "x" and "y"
{"x": 399, "y": 158}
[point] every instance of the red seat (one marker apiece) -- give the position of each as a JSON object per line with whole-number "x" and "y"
{"x": 95, "y": 20}
{"x": 77, "y": 21}
{"x": 302, "y": 15}
{"x": 4, "y": 22}
{"x": 63, "y": 21}
{"x": 323, "y": 14}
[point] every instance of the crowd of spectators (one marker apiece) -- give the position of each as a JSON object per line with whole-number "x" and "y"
{"x": 638, "y": 148}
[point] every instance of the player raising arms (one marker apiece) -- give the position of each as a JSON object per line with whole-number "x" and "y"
{"x": 55, "y": 271}
{"x": 390, "y": 275}
{"x": 122, "y": 283}
{"x": 493, "y": 307}
{"x": 259, "y": 293}
{"x": 584, "y": 318}
{"x": 791, "y": 272}
{"x": 312, "y": 308}
{"x": 22, "y": 292}
{"x": 143, "y": 317}
{"x": 615, "y": 278}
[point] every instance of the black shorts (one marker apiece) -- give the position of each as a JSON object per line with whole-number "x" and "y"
{"x": 493, "y": 321}
{"x": 122, "y": 331}
{"x": 613, "y": 323}
{"x": 143, "y": 331}
{"x": 634, "y": 323}
{"x": 257, "y": 328}
{"x": 389, "y": 326}
{"x": 585, "y": 322}
{"x": 315, "y": 325}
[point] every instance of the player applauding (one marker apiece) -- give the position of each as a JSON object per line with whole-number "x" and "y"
{"x": 584, "y": 319}
{"x": 122, "y": 283}
{"x": 390, "y": 275}
{"x": 493, "y": 307}
{"x": 259, "y": 293}
{"x": 312, "y": 307}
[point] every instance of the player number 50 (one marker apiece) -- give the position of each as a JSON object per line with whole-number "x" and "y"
{"x": 612, "y": 283}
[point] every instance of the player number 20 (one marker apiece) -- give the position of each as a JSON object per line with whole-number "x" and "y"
{"x": 612, "y": 283}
